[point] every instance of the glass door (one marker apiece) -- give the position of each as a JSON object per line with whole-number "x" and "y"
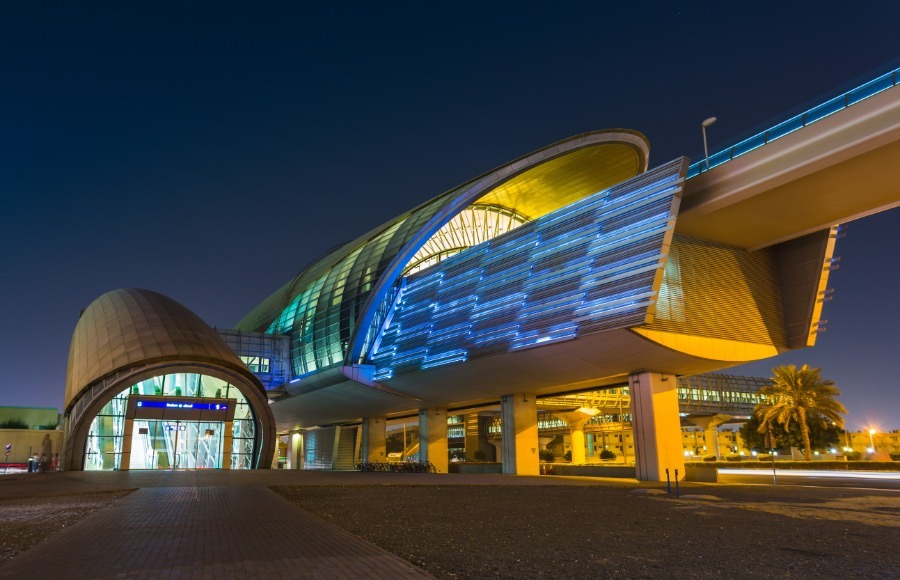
{"x": 159, "y": 444}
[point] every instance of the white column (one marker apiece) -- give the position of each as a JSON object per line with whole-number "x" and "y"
{"x": 125, "y": 460}
{"x": 657, "y": 426}
{"x": 518, "y": 426}
{"x": 433, "y": 437}
{"x": 226, "y": 444}
{"x": 374, "y": 441}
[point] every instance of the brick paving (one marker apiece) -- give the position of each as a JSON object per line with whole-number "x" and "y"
{"x": 241, "y": 531}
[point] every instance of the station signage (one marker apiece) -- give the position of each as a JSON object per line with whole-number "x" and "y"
{"x": 188, "y": 405}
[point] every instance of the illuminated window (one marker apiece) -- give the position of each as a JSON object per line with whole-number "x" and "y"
{"x": 257, "y": 364}
{"x": 476, "y": 224}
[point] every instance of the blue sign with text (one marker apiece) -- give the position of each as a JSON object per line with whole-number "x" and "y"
{"x": 182, "y": 405}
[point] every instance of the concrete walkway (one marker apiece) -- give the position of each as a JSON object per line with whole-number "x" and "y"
{"x": 232, "y": 531}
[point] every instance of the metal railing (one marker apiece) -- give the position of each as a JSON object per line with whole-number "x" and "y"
{"x": 829, "y": 107}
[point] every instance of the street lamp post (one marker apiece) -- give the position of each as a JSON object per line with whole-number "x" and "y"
{"x": 703, "y": 127}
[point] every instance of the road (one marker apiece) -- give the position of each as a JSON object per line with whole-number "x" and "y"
{"x": 858, "y": 479}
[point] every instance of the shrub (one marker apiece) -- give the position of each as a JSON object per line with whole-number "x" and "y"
{"x": 764, "y": 457}
{"x": 733, "y": 457}
{"x": 607, "y": 454}
{"x": 546, "y": 455}
{"x": 568, "y": 456}
{"x": 710, "y": 458}
{"x": 895, "y": 456}
{"x": 15, "y": 423}
{"x": 853, "y": 455}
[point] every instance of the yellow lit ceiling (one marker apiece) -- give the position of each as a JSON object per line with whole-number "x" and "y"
{"x": 567, "y": 179}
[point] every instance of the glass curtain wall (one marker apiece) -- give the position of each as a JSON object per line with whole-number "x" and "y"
{"x": 156, "y": 443}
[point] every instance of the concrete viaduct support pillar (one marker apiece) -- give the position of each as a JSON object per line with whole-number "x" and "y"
{"x": 475, "y": 440}
{"x": 576, "y": 421}
{"x": 433, "y": 437}
{"x": 374, "y": 439}
{"x": 518, "y": 426}
{"x": 295, "y": 450}
{"x": 577, "y": 434}
{"x": 657, "y": 426}
{"x": 710, "y": 426}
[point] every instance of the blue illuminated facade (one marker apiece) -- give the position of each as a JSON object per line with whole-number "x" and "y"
{"x": 585, "y": 268}
{"x": 336, "y": 308}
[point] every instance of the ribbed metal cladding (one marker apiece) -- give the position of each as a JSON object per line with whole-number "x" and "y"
{"x": 718, "y": 291}
{"x": 584, "y": 268}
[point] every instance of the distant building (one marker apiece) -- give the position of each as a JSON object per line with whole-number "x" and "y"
{"x": 42, "y": 432}
{"x": 34, "y": 417}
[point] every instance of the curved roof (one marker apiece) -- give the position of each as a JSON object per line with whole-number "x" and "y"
{"x": 125, "y": 328}
{"x": 329, "y": 307}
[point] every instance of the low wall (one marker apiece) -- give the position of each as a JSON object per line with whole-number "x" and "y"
{"x": 621, "y": 471}
{"x": 476, "y": 468}
{"x": 707, "y": 473}
{"x": 24, "y": 441}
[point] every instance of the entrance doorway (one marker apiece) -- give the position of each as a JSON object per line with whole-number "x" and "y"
{"x": 179, "y": 444}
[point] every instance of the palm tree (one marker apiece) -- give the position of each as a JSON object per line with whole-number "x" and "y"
{"x": 803, "y": 395}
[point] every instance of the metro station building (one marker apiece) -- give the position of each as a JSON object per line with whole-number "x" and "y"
{"x": 525, "y": 295}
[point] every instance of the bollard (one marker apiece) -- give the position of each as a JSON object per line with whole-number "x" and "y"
{"x": 774, "y": 477}
{"x": 668, "y": 483}
{"x": 677, "y": 491}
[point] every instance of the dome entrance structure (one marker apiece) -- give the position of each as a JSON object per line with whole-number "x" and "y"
{"x": 151, "y": 386}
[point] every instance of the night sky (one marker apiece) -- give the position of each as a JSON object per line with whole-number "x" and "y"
{"x": 210, "y": 152}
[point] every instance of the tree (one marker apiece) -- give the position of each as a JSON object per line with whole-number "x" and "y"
{"x": 820, "y": 438}
{"x": 801, "y": 395}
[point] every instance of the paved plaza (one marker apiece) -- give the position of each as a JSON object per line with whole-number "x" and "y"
{"x": 234, "y": 530}
{"x": 308, "y": 524}
{"x": 213, "y": 524}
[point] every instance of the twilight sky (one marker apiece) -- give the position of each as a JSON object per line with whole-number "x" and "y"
{"x": 209, "y": 152}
